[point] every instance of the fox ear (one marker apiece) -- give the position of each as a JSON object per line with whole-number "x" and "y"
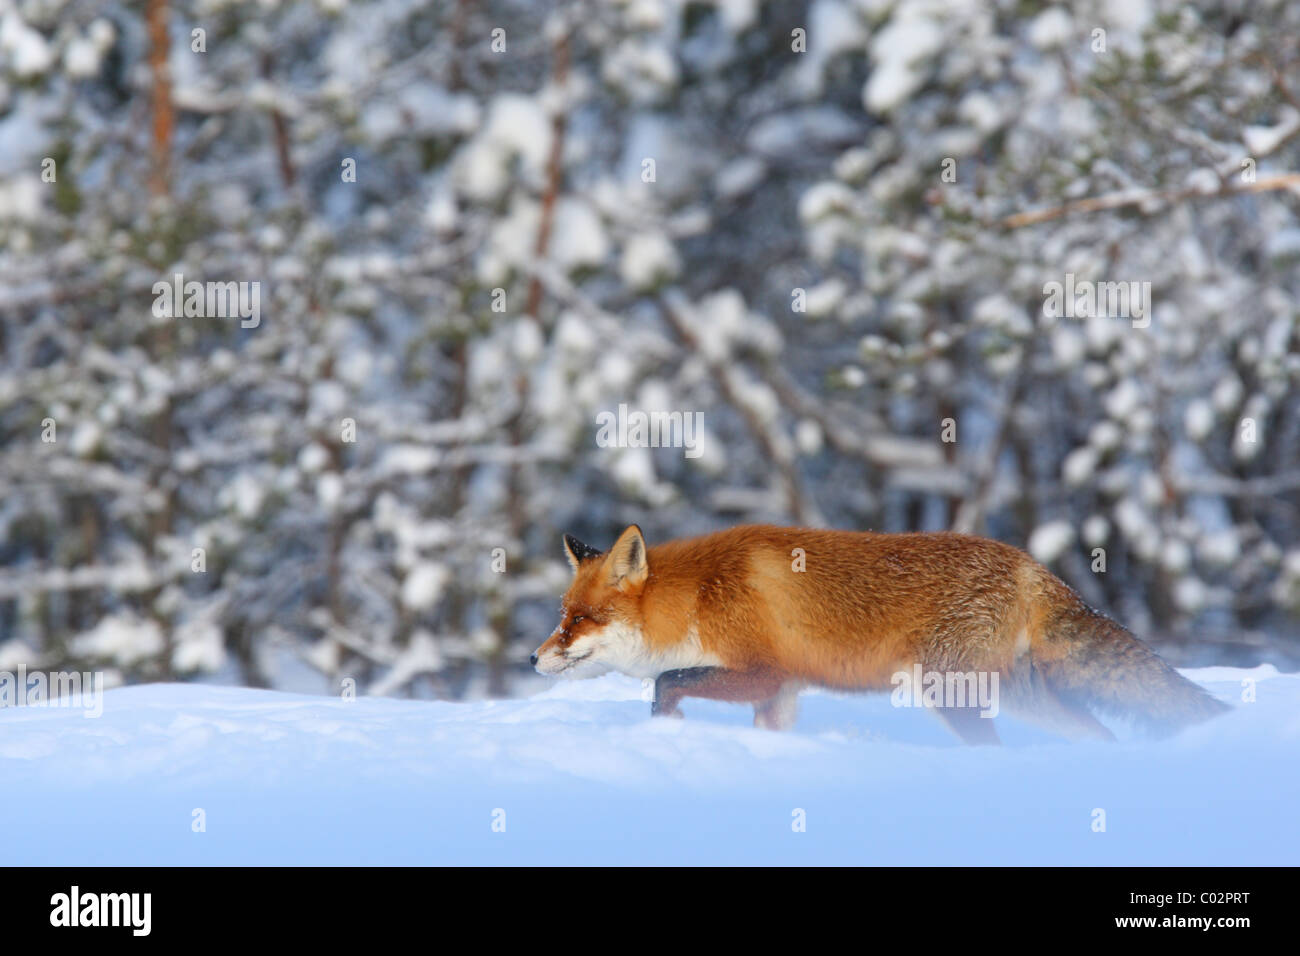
{"x": 577, "y": 552}
{"x": 627, "y": 564}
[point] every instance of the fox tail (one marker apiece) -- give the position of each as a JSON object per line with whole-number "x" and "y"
{"x": 1093, "y": 661}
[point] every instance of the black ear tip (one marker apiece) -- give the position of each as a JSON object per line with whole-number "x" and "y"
{"x": 580, "y": 551}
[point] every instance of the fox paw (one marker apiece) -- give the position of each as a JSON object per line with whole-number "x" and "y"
{"x": 665, "y": 709}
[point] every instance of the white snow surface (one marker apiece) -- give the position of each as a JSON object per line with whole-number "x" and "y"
{"x": 580, "y": 774}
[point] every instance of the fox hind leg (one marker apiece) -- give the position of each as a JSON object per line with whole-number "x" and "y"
{"x": 967, "y": 724}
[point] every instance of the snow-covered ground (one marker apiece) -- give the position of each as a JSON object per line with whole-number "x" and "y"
{"x": 581, "y": 774}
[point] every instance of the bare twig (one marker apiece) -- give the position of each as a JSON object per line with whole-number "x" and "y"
{"x": 1138, "y": 197}
{"x": 161, "y": 97}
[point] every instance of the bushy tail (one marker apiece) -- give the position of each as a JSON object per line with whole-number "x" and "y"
{"x": 1091, "y": 660}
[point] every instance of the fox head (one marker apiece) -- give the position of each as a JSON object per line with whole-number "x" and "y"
{"x": 600, "y": 623}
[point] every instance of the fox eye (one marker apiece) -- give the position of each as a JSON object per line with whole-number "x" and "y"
{"x": 578, "y": 619}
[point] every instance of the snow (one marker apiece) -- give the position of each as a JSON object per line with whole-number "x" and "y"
{"x": 648, "y": 260}
{"x": 823, "y": 298}
{"x": 1080, "y": 465}
{"x": 516, "y": 127}
{"x": 580, "y": 774}
{"x": 1105, "y": 436}
{"x": 737, "y": 15}
{"x": 808, "y": 436}
{"x": 646, "y": 71}
{"x": 1048, "y": 542}
{"x": 81, "y": 57}
{"x": 199, "y": 647}
{"x": 740, "y": 177}
{"x": 313, "y": 457}
{"x": 407, "y": 460}
{"x": 634, "y": 470}
{"x": 900, "y": 51}
{"x": 329, "y": 491}
{"x": 20, "y": 198}
{"x": 122, "y": 638}
{"x": 722, "y": 320}
{"x": 365, "y": 418}
{"x": 1051, "y": 28}
{"x": 833, "y": 29}
{"x": 1220, "y": 547}
{"x": 1262, "y": 140}
{"x": 26, "y": 48}
{"x": 427, "y": 108}
{"x": 1199, "y": 419}
{"x": 792, "y": 134}
{"x": 424, "y": 585}
{"x": 245, "y": 494}
{"x": 825, "y": 199}
{"x": 578, "y": 239}
{"x": 421, "y": 656}
{"x": 1227, "y": 394}
{"x": 1096, "y": 529}
{"x": 981, "y": 111}
{"x": 1283, "y": 244}
{"x": 85, "y": 439}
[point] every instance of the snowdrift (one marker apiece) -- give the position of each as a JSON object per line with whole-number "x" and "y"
{"x": 195, "y": 774}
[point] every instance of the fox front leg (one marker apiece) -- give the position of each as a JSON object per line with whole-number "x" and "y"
{"x": 672, "y": 686}
{"x": 758, "y": 687}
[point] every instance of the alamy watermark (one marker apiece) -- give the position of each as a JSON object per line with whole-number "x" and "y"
{"x": 218, "y": 300}
{"x": 1085, "y": 299}
{"x": 638, "y": 429}
{"x": 70, "y": 689}
{"x": 130, "y": 910}
{"x": 922, "y": 688}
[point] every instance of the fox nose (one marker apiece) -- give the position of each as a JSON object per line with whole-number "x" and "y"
{"x": 533, "y": 660}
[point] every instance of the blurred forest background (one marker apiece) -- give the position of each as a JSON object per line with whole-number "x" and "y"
{"x": 828, "y": 226}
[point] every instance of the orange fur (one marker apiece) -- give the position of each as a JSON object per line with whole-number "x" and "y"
{"x": 867, "y": 606}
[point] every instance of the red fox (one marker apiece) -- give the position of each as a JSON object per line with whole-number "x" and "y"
{"x": 755, "y": 613}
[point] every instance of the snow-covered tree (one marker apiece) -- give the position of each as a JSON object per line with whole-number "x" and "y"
{"x": 858, "y": 237}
